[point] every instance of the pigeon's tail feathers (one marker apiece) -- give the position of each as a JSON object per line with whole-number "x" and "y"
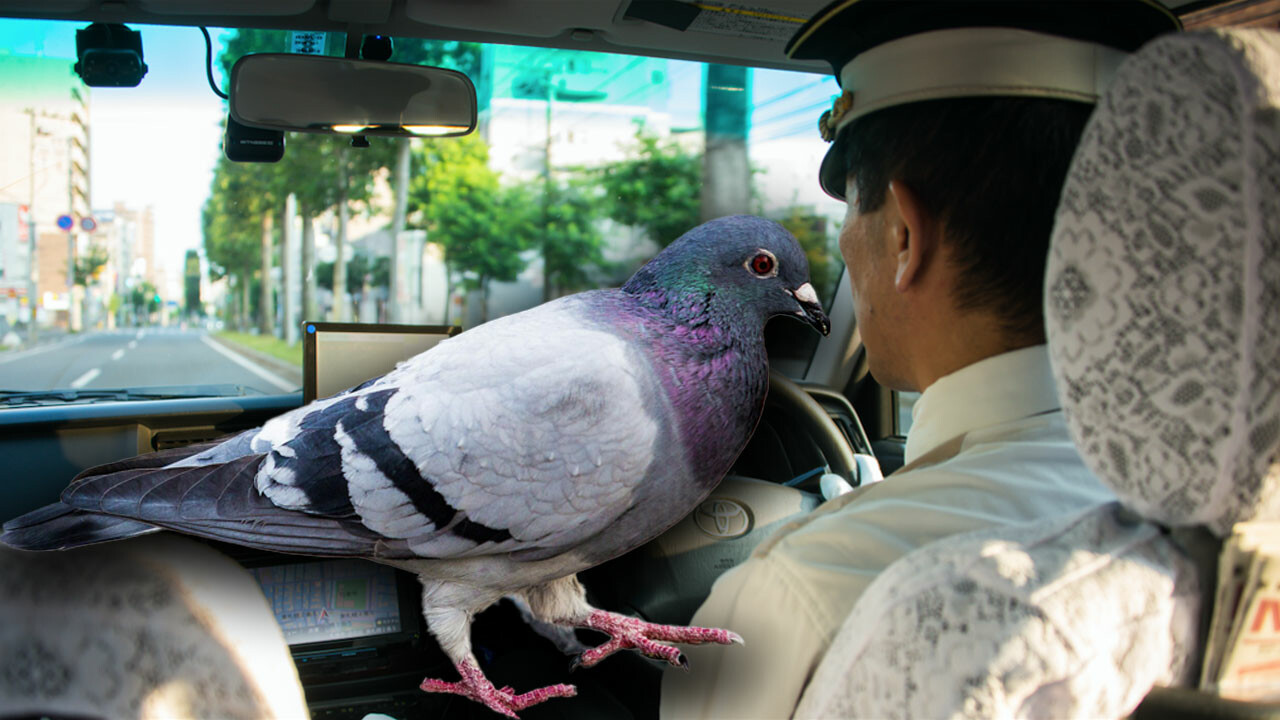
{"x": 58, "y": 527}
{"x": 162, "y": 458}
{"x": 222, "y": 502}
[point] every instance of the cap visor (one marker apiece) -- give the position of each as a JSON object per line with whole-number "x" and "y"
{"x": 832, "y": 176}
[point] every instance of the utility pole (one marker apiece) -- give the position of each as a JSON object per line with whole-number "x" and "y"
{"x": 71, "y": 231}
{"x": 32, "y": 263}
{"x": 266, "y": 311}
{"x": 546, "y": 181}
{"x": 399, "y": 293}
{"x": 551, "y": 93}
{"x": 78, "y": 309}
{"x": 726, "y": 173}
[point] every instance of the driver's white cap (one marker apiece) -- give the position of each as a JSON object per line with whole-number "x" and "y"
{"x": 893, "y": 52}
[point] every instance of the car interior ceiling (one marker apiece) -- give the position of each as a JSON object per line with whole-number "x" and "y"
{"x": 47, "y": 446}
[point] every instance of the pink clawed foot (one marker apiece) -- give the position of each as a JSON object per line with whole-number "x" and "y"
{"x": 475, "y": 686}
{"x": 649, "y": 638}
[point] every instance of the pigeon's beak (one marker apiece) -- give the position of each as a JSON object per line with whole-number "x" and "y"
{"x": 811, "y": 309}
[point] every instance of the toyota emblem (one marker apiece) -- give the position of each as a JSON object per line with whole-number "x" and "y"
{"x": 722, "y": 518}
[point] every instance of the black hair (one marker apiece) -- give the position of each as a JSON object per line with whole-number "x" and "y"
{"x": 991, "y": 171}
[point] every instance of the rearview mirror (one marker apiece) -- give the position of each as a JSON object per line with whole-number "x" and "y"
{"x": 311, "y": 93}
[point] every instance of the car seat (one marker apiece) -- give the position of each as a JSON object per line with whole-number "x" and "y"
{"x": 146, "y": 629}
{"x": 1162, "y": 304}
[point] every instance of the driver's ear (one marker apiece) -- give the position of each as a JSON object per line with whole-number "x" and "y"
{"x": 913, "y": 234}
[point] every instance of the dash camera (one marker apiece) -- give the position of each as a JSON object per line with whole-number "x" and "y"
{"x": 109, "y": 55}
{"x": 243, "y": 143}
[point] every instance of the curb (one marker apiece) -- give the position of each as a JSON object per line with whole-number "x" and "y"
{"x": 274, "y": 364}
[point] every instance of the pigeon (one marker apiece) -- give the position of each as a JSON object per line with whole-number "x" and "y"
{"x": 502, "y": 461}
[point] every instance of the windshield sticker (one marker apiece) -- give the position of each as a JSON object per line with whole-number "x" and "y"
{"x": 305, "y": 42}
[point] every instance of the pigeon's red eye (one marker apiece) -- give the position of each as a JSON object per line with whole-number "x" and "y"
{"x": 762, "y": 264}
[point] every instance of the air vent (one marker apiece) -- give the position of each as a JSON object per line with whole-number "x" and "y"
{"x": 169, "y": 439}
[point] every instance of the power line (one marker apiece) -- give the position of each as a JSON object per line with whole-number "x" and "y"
{"x": 807, "y": 127}
{"x": 609, "y": 79}
{"x": 792, "y": 113}
{"x": 789, "y": 93}
{"x": 640, "y": 88}
{"x": 528, "y": 62}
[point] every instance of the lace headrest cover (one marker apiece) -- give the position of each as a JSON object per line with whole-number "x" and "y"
{"x": 1162, "y": 298}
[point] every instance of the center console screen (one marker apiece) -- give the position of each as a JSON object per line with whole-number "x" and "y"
{"x": 331, "y": 599}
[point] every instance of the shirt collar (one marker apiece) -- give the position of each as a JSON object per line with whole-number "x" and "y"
{"x": 992, "y": 391}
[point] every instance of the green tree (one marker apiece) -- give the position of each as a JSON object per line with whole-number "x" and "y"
{"x": 325, "y": 171}
{"x": 570, "y": 241}
{"x": 356, "y": 170}
{"x": 306, "y": 171}
{"x": 85, "y": 271}
{"x": 89, "y": 265}
{"x": 359, "y": 266}
{"x": 657, "y": 188}
{"x": 481, "y": 226}
{"x": 232, "y": 227}
{"x": 145, "y": 299}
{"x": 811, "y": 231}
{"x": 462, "y": 56}
{"x": 191, "y": 285}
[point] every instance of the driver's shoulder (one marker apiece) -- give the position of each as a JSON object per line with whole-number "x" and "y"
{"x": 983, "y": 483}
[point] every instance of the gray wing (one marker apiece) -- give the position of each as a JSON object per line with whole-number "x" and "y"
{"x": 528, "y": 434}
{"x": 533, "y": 434}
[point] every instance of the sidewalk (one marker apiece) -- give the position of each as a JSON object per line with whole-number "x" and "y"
{"x": 288, "y": 371}
{"x": 45, "y": 336}
{"x": 45, "y": 340}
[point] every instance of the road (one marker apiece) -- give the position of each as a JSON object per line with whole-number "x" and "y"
{"x": 136, "y": 358}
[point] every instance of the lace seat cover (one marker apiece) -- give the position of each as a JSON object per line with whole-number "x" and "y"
{"x": 153, "y": 629}
{"x": 988, "y": 626}
{"x": 1162, "y": 304}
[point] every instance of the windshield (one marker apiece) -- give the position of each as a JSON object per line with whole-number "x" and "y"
{"x": 135, "y": 256}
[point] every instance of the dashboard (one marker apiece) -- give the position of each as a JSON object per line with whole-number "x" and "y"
{"x": 355, "y": 628}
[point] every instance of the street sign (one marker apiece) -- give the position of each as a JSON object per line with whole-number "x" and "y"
{"x": 88, "y": 224}
{"x": 65, "y": 222}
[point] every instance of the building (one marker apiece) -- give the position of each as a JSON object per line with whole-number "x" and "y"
{"x": 44, "y": 179}
{"x": 552, "y": 109}
{"x": 129, "y": 237}
{"x": 553, "y": 112}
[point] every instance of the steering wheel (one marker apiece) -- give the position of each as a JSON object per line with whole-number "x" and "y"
{"x": 787, "y": 399}
{"x": 725, "y": 528}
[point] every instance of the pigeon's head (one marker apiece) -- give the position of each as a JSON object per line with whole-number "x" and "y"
{"x": 744, "y": 265}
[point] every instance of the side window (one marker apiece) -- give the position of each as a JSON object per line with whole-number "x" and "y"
{"x": 903, "y": 404}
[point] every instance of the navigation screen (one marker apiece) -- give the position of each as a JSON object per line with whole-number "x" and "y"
{"x": 346, "y": 359}
{"x": 331, "y": 599}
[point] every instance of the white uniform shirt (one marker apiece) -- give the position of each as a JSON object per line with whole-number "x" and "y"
{"x": 988, "y": 446}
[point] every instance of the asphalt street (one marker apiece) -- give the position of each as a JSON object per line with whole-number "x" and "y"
{"x": 135, "y": 358}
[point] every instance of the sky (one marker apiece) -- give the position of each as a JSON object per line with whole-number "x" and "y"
{"x": 156, "y": 144}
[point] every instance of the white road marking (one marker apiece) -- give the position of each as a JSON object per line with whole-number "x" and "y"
{"x": 267, "y": 375}
{"x": 140, "y": 334}
{"x": 86, "y": 378}
{"x": 117, "y": 354}
{"x": 133, "y": 344}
